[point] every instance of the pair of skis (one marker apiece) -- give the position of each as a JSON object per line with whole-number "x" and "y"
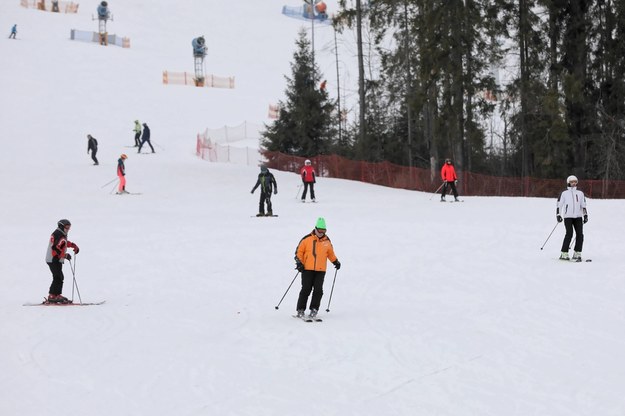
{"x": 308, "y": 318}
{"x": 46, "y": 303}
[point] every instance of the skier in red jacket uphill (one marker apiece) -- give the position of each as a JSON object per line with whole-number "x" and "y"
{"x": 309, "y": 179}
{"x": 55, "y": 256}
{"x": 448, "y": 174}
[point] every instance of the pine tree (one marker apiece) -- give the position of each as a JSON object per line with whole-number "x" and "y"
{"x": 305, "y": 124}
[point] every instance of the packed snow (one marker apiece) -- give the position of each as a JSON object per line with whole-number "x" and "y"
{"x": 438, "y": 309}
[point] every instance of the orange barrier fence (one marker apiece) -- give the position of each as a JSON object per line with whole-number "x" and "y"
{"x": 184, "y": 78}
{"x": 64, "y": 6}
{"x": 418, "y": 179}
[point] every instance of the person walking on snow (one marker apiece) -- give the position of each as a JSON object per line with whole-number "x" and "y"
{"x": 13, "y": 32}
{"x": 571, "y": 208}
{"x": 309, "y": 179}
{"x": 267, "y": 183}
{"x": 145, "y": 138}
{"x": 56, "y": 256}
{"x": 137, "y": 131}
{"x": 311, "y": 256}
{"x": 448, "y": 174}
{"x": 92, "y": 145}
{"x": 121, "y": 174}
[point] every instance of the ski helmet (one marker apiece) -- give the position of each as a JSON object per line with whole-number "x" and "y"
{"x": 307, "y": 162}
{"x": 263, "y": 168}
{"x": 63, "y": 223}
{"x": 571, "y": 178}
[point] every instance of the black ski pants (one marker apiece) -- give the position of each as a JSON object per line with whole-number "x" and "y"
{"x": 569, "y": 225}
{"x": 95, "y": 159}
{"x": 142, "y": 143}
{"x": 311, "y": 281}
{"x": 265, "y": 197}
{"x": 56, "y": 288}
{"x": 312, "y": 190}
{"x": 452, "y": 184}
{"x": 137, "y": 139}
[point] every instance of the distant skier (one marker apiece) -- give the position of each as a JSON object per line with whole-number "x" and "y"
{"x": 145, "y": 138}
{"x": 572, "y": 208}
{"x": 92, "y": 145}
{"x": 137, "y": 131}
{"x": 55, "y": 256}
{"x": 309, "y": 179}
{"x": 448, "y": 174}
{"x": 311, "y": 256}
{"x": 13, "y": 32}
{"x": 267, "y": 183}
{"x": 55, "y": 6}
{"x": 103, "y": 11}
{"x": 121, "y": 174}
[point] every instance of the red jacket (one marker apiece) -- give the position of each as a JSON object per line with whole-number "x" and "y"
{"x": 308, "y": 174}
{"x": 448, "y": 173}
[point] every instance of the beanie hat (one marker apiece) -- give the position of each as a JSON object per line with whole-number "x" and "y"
{"x": 571, "y": 178}
{"x": 321, "y": 223}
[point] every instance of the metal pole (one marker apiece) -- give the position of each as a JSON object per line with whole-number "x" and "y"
{"x": 332, "y": 291}
{"x": 287, "y": 290}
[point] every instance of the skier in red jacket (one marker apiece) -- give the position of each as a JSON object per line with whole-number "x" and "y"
{"x": 309, "y": 179}
{"x": 448, "y": 174}
{"x": 55, "y": 256}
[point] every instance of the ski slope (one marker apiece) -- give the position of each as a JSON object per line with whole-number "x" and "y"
{"x": 439, "y": 308}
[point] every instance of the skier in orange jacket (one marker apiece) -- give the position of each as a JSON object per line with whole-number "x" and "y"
{"x": 448, "y": 174}
{"x": 312, "y": 253}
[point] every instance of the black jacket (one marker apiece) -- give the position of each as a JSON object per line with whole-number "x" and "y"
{"x": 92, "y": 144}
{"x": 267, "y": 182}
{"x": 146, "y": 133}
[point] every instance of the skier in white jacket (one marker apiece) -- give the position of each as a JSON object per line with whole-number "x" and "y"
{"x": 572, "y": 208}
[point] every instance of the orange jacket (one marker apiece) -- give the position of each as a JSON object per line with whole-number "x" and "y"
{"x": 315, "y": 252}
{"x": 448, "y": 173}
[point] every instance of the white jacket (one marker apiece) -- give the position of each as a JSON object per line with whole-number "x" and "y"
{"x": 572, "y": 203}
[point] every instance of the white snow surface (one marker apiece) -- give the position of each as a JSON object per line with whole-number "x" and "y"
{"x": 439, "y": 308}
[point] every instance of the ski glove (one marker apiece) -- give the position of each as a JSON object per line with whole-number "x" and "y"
{"x": 76, "y": 249}
{"x": 585, "y": 219}
{"x": 337, "y": 264}
{"x": 299, "y": 266}
{"x": 68, "y": 256}
{"x": 275, "y": 192}
{"x": 559, "y": 218}
{"x": 456, "y": 182}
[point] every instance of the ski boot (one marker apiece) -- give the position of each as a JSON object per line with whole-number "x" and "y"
{"x": 564, "y": 256}
{"x": 577, "y": 256}
{"x": 300, "y": 313}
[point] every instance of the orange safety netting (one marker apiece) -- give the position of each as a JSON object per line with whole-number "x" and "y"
{"x": 184, "y": 78}
{"x": 64, "y": 6}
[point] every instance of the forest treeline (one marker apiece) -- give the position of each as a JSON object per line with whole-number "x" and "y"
{"x": 431, "y": 83}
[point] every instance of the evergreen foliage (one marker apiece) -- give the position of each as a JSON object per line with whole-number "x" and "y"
{"x": 305, "y": 124}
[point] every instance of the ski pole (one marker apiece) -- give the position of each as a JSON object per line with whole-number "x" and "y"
{"x": 435, "y": 192}
{"x": 74, "y": 283}
{"x": 554, "y": 228}
{"x": 332, "y": 291}
{"x": 108, "y": 183}
{"x": 299, "y": 188}
{"x": 113, "y": 188}
{"x": 287, "y": 291}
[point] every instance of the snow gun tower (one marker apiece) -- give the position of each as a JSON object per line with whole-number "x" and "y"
{"x": 103, "y": 16}
{"x": 199, "y": 52}
{"x": 101, "y": 36}
{"x": 199, "y": 77}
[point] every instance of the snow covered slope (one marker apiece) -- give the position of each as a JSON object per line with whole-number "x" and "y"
{"x": 439, "y": 309}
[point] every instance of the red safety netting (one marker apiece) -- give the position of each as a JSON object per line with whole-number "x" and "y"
{"x": 418, "y": 179}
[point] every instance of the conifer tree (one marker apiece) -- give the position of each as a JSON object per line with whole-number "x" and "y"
{"x": 305, "y": 124}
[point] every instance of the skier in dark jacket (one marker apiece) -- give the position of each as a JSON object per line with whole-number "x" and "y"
{"x": 55, "y": 256}
{"x": 92, "y": 145}
{"x": 267, "y": 183}
{"x": 145, "y": 138}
